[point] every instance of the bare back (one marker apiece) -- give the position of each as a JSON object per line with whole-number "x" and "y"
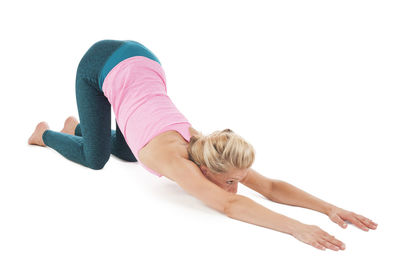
{"x": 157, "y": 153}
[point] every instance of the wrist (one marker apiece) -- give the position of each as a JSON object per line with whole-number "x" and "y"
{"x": 294, "y": 227}
{"x": 329, "y": 208}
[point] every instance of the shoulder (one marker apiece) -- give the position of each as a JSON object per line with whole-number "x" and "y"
{"x": 189, "y": 176}
{"x": 163, "y": 151}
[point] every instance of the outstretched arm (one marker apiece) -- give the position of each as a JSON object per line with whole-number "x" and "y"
{"x": 285, "y": 193}
{"x": 282, "y": 192}
{"x": 189, "y": 176}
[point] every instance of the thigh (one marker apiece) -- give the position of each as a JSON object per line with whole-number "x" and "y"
{"x": 95, "y": 121}
{"x": 93, "y": 107}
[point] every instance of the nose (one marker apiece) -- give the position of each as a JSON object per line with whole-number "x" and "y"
{"x": 232, "y": 190}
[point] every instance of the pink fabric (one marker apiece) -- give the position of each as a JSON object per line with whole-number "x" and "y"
{"x": 136, "y": 89}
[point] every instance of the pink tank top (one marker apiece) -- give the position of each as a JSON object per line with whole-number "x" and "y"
{"x": 136, "y": 89}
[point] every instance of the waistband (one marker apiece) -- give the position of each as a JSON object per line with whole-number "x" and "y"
{"x": 126, "y": 50}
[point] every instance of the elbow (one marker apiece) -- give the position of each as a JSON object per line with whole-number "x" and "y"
{"x": 270, "y": 193}
{"x": 230, "y": 204}
{"x": 278, "y": 188}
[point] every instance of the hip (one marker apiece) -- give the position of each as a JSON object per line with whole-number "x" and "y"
{"x": 104, "y": 55}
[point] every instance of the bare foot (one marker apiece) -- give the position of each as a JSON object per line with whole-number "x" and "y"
{"x": 69, "y": 125}
{"x": 36, "y": 137}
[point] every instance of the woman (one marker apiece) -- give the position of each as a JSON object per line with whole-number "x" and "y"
{"x": 128, "y": 77}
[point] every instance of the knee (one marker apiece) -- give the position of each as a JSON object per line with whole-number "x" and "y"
{"x": 97, "y": 164}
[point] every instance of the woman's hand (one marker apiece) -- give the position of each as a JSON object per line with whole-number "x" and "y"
{"x": 339, "y": 216}
{"x": 316, "y": 237}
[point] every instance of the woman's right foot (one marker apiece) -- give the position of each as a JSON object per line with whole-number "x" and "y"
{"x": 36, "y": 137}
{"x": 69, "y": 125}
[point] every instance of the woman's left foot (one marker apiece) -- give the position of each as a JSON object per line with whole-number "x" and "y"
{"x": 69, "y": 125}
{"x": 36, "y": 137}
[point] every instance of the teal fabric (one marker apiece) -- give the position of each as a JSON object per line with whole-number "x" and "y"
{"x": 128, "y": 49}
{"x": 119, "y": 147}
{"x": 94, "y": 140}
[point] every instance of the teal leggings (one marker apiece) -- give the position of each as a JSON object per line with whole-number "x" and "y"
{"x": 94, "y": 140}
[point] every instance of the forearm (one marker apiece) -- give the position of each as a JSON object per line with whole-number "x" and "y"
{"x": 286, "y": 193}
{"x": 245, "y": 209}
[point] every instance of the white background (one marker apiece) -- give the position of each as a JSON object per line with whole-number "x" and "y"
{"x": 312, "y": 85}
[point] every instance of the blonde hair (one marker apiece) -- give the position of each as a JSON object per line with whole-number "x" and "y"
{"x": 221, "y": 151}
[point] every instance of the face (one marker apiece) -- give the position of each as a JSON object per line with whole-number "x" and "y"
{"x": 227, "y": 181}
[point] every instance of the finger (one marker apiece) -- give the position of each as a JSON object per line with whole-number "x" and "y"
{"x": 328, "y": 245}
{"x": 358, "y": 223}
{"x": 333, "y": 240}
{"x": 317, "y": 245}
{"x": 336, "y": 218}
{"x": 367, "y": 222}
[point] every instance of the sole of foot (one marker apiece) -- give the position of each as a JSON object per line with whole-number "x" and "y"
{"x": 36, "y": 137}
{"x": 69, "y": 125}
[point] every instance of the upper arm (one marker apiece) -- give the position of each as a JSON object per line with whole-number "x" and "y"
{"x": 258, "y": 182}
{"x": 189, "y": 176}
